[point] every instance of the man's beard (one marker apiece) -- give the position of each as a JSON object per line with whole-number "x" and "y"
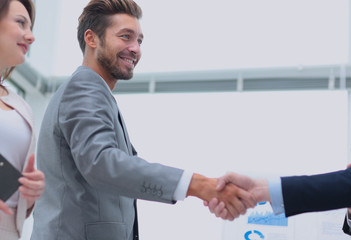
{"x": 110, "y": 64}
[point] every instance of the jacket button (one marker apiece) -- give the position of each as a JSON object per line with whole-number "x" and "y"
{"x": 159, "y": 193}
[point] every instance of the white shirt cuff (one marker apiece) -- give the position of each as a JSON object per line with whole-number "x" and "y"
{"x": 182, "y": 187}
{"x": 276, "y": 194}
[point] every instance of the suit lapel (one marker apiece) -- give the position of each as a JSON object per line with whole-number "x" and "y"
{"x": 126, "y": 137}
{"x": 12, "y": 100}
{"x": 132, "y": 152}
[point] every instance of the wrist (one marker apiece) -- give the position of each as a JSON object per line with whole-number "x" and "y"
{"x": 200, "y": 186}
{"x": 30, "y": 206}
{"x": 261, "y": 190}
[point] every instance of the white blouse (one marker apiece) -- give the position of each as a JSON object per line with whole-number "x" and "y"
{"x": 15, "y": 136}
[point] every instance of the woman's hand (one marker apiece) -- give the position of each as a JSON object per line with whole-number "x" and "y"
{"x": 32, "y": 183}
{"x": 5, "y": 208}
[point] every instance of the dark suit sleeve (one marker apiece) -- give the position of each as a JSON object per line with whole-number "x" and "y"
{"x": 320, "y": 192}
{"x": 346, "y": 227}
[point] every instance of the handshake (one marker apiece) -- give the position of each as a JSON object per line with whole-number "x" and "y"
{"x": 291, "y": 195}
{"x": 235, "y": 194}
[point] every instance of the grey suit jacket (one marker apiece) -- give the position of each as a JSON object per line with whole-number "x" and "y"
{"x": 92, "y": 175}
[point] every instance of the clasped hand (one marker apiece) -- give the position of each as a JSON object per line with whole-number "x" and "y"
{"x": 228, "y": 209}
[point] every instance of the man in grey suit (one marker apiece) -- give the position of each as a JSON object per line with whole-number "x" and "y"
{"x": 93, "y": 174}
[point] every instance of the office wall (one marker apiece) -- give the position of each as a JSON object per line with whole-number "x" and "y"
{"x": 196, "y": 35}
{"x": 258, "y": 133}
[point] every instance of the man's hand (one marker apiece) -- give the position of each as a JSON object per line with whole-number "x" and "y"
{"x": 235, "y": 199}
{"x": 257, "y": 188}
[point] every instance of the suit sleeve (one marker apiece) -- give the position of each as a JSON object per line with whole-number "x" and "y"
{"x": 319, "y": 192}
{"x": 87, "y": 121}
{"x": 346, "y": 228}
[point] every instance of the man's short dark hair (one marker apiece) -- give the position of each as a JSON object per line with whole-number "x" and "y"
{"x": 96, "y": 16}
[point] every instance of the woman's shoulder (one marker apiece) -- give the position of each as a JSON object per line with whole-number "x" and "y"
{"x": 14, "y": 97}
{"x": 18, "y": 103}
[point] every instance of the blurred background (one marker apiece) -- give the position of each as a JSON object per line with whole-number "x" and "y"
{"x": 257, "y": 87}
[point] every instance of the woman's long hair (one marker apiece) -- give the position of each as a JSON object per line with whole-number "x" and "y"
{"x": 4, "y": 8}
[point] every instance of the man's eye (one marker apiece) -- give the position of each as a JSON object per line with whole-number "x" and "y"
{"x": 126, "y": 36}
{"x": 140, "y": 41}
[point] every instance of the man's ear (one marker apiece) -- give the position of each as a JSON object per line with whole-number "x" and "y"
{"x": 91, "y": 39}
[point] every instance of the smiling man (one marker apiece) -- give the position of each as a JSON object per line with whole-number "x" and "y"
{"x": 93, "y": 174}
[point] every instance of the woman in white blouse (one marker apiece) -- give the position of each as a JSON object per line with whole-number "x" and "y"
{"x": 17, "y": 142}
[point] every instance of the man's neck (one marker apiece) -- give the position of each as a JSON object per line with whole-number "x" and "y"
{"x": 110, "y": 81}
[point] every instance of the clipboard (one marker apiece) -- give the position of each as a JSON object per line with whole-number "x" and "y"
{"x": 9, "y": 176}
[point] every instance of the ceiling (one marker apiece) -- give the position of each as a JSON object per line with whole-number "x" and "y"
{"x": 228, "y": 46}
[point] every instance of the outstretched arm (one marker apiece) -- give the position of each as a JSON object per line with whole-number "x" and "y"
{"x": 299, "y": 194}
